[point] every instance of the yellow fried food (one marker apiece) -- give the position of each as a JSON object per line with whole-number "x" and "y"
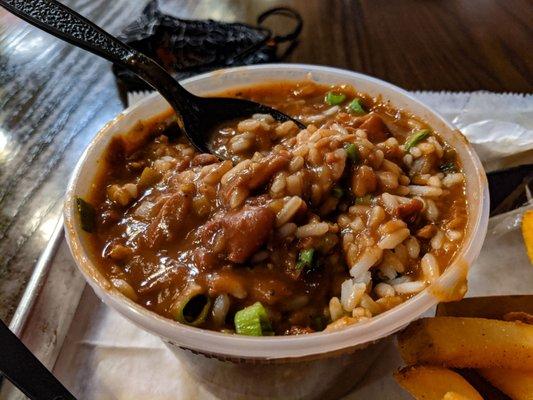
{"x": 434, "y": 383}
{"x": 492, "y": 307}
{"x": 468, "y": 343}
{"x": 454, "y": 396}
{"x": 518, "y": 385}
{"x": 527, "y": 233}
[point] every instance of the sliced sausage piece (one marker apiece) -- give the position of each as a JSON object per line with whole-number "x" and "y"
{"x": 244, "y": 232}
{"x": 376, "y": 129}
{"x": 267, "y": 168}
{"x": 204, "y": 159}
{"x": 424, "y": 164}
{"x": 364, "y": 181}
{"x": 168, "y": 219}
{"x": 408, "y": 212}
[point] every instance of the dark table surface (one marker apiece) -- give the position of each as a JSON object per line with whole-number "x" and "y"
{"x": 54, "y": 98}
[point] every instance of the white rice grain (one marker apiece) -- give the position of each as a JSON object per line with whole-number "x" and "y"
{"x": 383, "y": 289}
{"x": 296, "y": 164}
{"x": 434, "y": 181}
{"x": 369, "y": 303}
{"x": 357, "y": 224}
{"x": 430, "y": 267}
{"x": 331, "y": 111}
{"x": 391, "y": 240}
{"x": 361, "y": 313}
{"x": 289, "y": 209}
{"x": 312, "y": 229}
{"x": 427, "y": 191}
{"x": 216, "y": 174}
{"x": 413, "y": 247}
{"x": 370, "y": 256}
{"x": 431, "y": 211}
{"x": 377, "y": 215}
{"x": 287, "y": 230}
{"x": 415, "y": 152}
{"x": 339, "y": 128}
{"x": 351, "y": 294}
{"x": 389, "y": 201}
{"x": 235, "y": 170}
{"x": 278, "y": 183}
{"x": 265, "y": 118}
{"x": 335, "y": 309}
{"x": 408, "y": 160}
{"x": 387, "y": 271}
{"x": 454, "y": 235}
{"x": 409, "y": 287}
{"x": 220, "y": 309}
{"x": 452, "y": 179}
{"x": 438, "y": 240}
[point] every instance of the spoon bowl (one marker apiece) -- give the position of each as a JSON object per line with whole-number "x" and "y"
{"x": 197, "y": 116}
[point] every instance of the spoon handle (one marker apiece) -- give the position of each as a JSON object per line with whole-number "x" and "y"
{"x": 64, "y": 23}
{"x": 59, "y": 20}
{"x": 26, "y": 372}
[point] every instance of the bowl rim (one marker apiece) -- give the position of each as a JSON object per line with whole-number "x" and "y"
{"x": 277, "y": 347}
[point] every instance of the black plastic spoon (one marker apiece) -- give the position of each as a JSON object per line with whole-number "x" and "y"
{"x": 197, "y": 116}
{"x": 26, "y": 372}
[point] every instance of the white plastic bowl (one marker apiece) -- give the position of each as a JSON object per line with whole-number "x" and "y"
{"x": 281, "y": 348}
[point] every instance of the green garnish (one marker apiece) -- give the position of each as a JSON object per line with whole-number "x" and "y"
{"x": 364, "y": 200}
{"x": 87, "y": 215}
{"x": 448, "y": 167}
{"x": 415, "y": 138}
{"x": 334, "y": 99}
{"x": 356, "y": 107}
{"x": 305, "y": 259}
{"x": 337, "y": 192}
{"x": 352, "y": 152}
{"x": 318, "y": 323}
{"x": 253, "y": 321}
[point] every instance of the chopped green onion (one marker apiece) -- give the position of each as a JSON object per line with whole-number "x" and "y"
{"x": 415, "y": 138}
{"x": 253, "y": 321}
{"x": 318, "y": 323}
{"x": 337, "y": 192}
{"x": 448, "y": 167}
{"x": 192, "y": 306}
{"x": 352, "y": 152}
{"x": 356, "y": 107}
{"x": 305, "y": 258}
{"x": 364, "y": 200}
{"x": 87, "y": 215}
{"x": 334, "y": 99}
{"x": 195, "y": 310}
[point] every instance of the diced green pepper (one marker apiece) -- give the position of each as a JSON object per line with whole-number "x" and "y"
{"x": 318, "y": 323}
{"x": 448, "y": 167}
{"x": 337, "y": 192}
{"x": 334, "y": 99}
{"x": 87, "y": 215}
{"x": 364, "y": 200}
{"x": 305, "y": 258}
{"x": 352, "y": 152}
{"x": 415, "y": 138}
{"x": 356, "y": 107}
{"x": 253, "y": 321}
